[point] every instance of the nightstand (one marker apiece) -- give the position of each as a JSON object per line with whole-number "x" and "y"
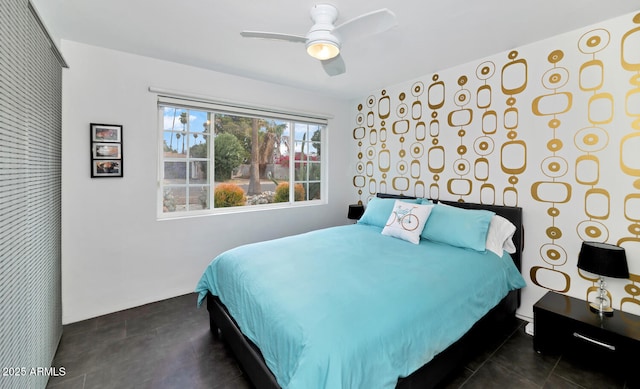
{"x": 566, "y": 325}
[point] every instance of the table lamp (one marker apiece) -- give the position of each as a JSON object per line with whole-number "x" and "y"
{"x": 604, "y": 260}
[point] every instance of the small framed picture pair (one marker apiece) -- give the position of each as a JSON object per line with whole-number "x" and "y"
{"x": 106, "y": 150}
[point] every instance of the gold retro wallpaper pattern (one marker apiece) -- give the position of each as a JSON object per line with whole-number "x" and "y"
{"x": 552, "y": 127}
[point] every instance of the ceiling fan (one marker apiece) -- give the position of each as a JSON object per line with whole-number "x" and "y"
{"x": 324, "y": 39}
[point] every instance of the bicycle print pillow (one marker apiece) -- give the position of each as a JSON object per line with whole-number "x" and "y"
{"x": 407, "y": 221}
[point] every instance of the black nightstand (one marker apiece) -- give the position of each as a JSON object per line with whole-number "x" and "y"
{"x": 566, "y": 325}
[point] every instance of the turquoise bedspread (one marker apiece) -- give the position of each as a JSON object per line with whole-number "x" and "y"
{"x": 347, "y": 307}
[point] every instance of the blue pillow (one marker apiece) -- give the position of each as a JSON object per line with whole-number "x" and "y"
{"x": 378, "y": 210}
{"x": 458, "y": 227}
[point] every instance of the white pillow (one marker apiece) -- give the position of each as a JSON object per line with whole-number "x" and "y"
{"x": 499, "y": 236}
{"x": 407, "y": 221}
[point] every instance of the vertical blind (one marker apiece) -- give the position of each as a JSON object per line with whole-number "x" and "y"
{"x": 30, "y": 195}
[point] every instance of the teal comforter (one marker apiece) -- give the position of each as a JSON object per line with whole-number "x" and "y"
{"x": 347, "y": 307}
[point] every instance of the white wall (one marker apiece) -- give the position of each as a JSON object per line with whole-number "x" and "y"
{"x": 115, "y": 253}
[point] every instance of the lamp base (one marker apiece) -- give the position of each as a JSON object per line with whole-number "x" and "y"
{"x": 607, "y": 311}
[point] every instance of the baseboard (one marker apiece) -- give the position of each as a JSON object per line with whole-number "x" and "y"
{"x": 529, "y": 328}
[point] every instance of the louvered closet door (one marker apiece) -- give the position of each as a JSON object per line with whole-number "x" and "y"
{"x": 44, "y": 144}
{"x": 30, "y": 143}
{"x": 14, "y": 329}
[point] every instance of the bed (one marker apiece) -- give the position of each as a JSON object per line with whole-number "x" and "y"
{"x": 357, "y": 312}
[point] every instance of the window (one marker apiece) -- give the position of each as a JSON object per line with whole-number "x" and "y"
{"x": 217, "y": 158}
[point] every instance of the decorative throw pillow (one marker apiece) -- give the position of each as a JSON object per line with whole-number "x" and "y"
{"x": 407, "y": 221}
{"x": 459, "y": 227}
{"x": 378, "y": 210}
{"x": 499, "y": 237}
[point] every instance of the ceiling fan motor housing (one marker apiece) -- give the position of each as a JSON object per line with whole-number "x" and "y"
{"x": 321, "y": 42}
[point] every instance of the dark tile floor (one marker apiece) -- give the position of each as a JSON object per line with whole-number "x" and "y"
{"x": 168, "y": 345}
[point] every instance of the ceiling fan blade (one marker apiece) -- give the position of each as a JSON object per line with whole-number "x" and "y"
{"x": 334, "y": 66}
{"x": 373, "y": 22}
{"x": 273, "y": 35}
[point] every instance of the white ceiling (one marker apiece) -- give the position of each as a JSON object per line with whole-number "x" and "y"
{"x": 430, "y": 36}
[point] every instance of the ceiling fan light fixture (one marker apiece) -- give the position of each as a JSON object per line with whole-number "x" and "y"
{"x": 323, "y": 49}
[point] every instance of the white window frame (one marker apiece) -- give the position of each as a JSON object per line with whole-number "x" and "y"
{"x": 215, "y": 107}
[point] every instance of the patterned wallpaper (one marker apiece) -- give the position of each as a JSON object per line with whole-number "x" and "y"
{"x": 552, "y": 127}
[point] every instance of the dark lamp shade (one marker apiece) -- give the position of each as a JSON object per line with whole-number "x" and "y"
{"x": 603, "y": 259}
{"x": 355, "y": 211}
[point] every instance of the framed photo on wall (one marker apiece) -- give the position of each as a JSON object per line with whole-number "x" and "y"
{"x": 106, "y": 133}
{"x": 107, "y": 168}
{"x": 106, "y": 150}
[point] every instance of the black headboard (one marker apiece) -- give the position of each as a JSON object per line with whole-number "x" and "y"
{"x": 513, "y": 214}
{"x": 393, "y": 196}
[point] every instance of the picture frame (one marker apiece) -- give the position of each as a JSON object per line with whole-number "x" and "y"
{"x": 100, "y": 150}
{"x": 106, "y": 168}
{"x": 106, "y": 133}
{"x": 106, "y": 152}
